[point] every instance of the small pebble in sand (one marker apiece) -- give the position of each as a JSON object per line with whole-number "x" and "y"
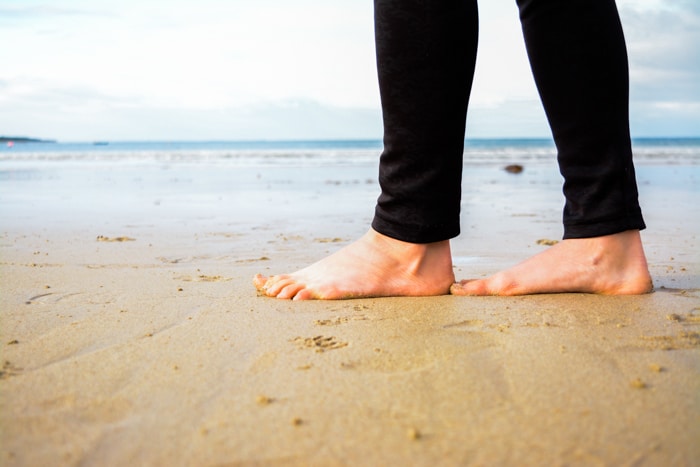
{"x": 296, "y": 421}
{"x": 264, "y": 400}
{"x": 674, "y": 317}
{"x": 513, "y": 168}
{"x": 547, "y": 242}
{"x": 638, "y": 384}
{"x": 329, "y": 240}
{"x": 656, "y": 368}
{"x": 13, "y": 342}
{"x": 412, "y": 433}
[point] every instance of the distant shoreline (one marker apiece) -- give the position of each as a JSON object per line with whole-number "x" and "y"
{"x": 22, "y": 139}
{"x": 469, "y": 141}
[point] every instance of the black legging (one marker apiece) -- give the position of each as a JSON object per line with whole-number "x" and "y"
{"x": 426, "y": 52}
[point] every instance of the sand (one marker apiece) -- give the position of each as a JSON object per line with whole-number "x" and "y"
{"x": 134, "y": 336}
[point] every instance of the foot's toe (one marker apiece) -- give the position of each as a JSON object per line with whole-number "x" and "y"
{"x": 275, "y": 285}
{"x": 259, "y": 281}
{"x": 456, "y": 288}
{"x": 470, "y": 287}
{"x": 290, "y": 290}
{"x": 304, "y": 294}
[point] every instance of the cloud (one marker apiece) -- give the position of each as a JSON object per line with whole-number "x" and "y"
{"x": 662, "y": 39}
{"x": 278, "y": 69}
{"x": 509, "y": 118}
{"x": 83, "y": 114}
{"x": 9, "y": 14}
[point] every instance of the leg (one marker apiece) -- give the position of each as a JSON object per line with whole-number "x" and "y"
{"x": 579, "y": 61}
{"x": 426, "y": 53}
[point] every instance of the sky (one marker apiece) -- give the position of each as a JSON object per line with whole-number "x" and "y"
{"x": 180, "y": 70}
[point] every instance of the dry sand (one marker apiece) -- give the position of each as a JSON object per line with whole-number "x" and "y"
{"x": 145, "y": 344}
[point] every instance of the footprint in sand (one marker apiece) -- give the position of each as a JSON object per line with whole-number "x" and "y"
{"x": 56, "y": 297}
{"x": 464, "y": 325}
{"x": 682, "y": 340}
{"x": 319, "y": 343}
{"x": 203, "y": 278}
{"x": 8, "y": 370}
{"x": 102, "y": 238}
{"x": 339, "y": 320}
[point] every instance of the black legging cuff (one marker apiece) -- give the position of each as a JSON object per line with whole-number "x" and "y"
{"x": 415, "y": 233}
{"x": 600, "y": 228}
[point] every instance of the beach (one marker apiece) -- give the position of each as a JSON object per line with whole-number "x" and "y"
{"x": 131, "y": 333}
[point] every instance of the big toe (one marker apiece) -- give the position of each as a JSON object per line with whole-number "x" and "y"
{"x": 469, "y": 287}
{"x": 259, "y": 281}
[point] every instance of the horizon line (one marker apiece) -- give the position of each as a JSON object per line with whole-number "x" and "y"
{"x": 29, "y": 139}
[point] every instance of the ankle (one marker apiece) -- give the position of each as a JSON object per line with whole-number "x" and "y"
{"x": 620, "y": 258}
{"x": 419, "y": 253}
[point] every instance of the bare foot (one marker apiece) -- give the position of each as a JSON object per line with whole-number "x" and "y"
{"x": 612, "y": 264}
{"x": 373, "y": 266}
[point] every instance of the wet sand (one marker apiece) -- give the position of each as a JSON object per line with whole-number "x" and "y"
{"x": 133, "y": 335}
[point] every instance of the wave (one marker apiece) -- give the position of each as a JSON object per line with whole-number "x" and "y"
{"x": 321, "y": 153}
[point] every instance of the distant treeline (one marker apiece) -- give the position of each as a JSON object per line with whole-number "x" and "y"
{"x": 22, "y": 139}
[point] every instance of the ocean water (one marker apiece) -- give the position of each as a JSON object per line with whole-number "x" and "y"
{"x": 664, "y": 151}
{"x": 86, "y": 185}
